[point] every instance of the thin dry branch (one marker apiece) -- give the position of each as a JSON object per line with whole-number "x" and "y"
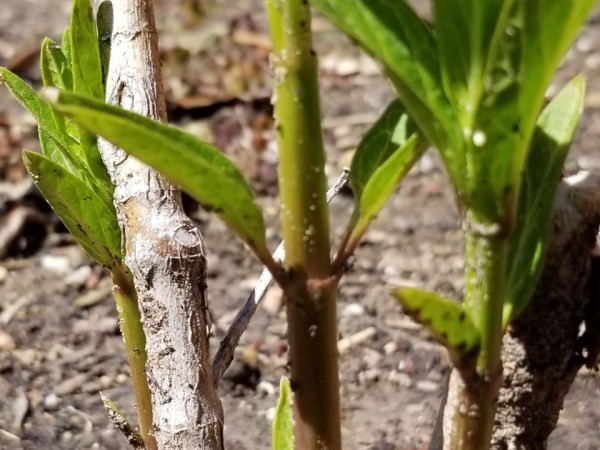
{"x": 231, "y": 340}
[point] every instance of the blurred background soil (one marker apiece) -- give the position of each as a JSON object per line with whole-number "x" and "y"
{"x": 59, "y": 340}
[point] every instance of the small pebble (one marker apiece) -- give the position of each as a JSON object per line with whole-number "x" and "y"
{"x": 79, "y": 276}
{"x": 390, "y": 348}
{"x": 427, "y": 386}
{"x": 270, "y": 414}
{"x": 266, "y": 388}
{"x": 353, "y": 310}
{"x": 371, "y": 358}
{"x": 56, "y": 264}
{"x": 51, "y": 402}
{"x": 400, "y": 379}
{"x": 369, "y": 375}
{"x": 122, "y": 378}
{"x": 6, "y": 341}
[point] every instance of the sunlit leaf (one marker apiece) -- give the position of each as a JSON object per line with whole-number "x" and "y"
{"x": 445, "y": 319}
{"x": 283, "y": 425}
{"x": 382, "y": 159}
{"x": 85, "y": 53}
{"x": 86, "y": 214}
{"x": 87, "y": 76}
{"x": 55, "y": 67}
{"x": 197, "y": 167}
{"x": 43, "y": 114}
{"x": 554, "y": 133}
{"x": 396, "y": 36}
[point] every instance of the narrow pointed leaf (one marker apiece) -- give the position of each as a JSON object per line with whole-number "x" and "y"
{"x": 85, "y": 214}
{"x": 43, "y": 114}
{"x": 87, "y": 76}
{"x": 382, "y": 159}
{"x": 555, "y": 130}
{"x": 396, "y": 36}
{"x": 85, "y": 53}
{"x": 445, "y": 319}
{"x": 69, "y": 159}
{"x": 197, "y": 167}
{"x": 283, "y": 425}
{"x": 55, "y": 67}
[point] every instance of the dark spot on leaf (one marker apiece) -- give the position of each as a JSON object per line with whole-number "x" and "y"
{"x": 461, "y": 315}
{"x": 516, "y": 127}
{"x": 446, "y": 316}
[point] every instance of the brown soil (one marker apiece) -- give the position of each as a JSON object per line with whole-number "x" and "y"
{"x": 59, "y": 340}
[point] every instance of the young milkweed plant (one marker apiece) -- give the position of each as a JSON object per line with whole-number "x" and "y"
{"x": 474, "y": 82}
{"x": 472, "y": 85}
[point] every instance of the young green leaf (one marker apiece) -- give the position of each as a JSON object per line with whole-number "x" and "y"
{"x": 197, "y": 167}
{"x": 445, "y": 319}
{"x": 283, "y": 425}
{"x": 44, "y": 115}
{"x": 382, "y": 159}
{"x": 554, "y": 133}
{"x": 85, "y": 53}
{"x": 55, "y": 67}
{"x": 545, "y": 39}
{"x": 395, "y": 35}
{"x": 86, "y": 214}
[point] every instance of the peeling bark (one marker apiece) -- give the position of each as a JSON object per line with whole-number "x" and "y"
{"x": 164, "y": 249}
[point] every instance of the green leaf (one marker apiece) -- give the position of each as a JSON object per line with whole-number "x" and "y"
{"x": 44, "y": 115}
{"x": 466, "y": 32}
{"x": 555, "y": 130}
{"x": 85, "y": 213}
{"x": 197, "y": 167}
{"x": 283, "y": 425}
{"x": 549, "y": 27}
{"x": 382, "y": 159}
{"x": 55, "y": 67}
{"x": 87, "y": 77}
{"x": 445, "y": 319}
{"x": 85, "y": 53}
{"x": 522, "y": 58}
{"x": 395, "y": 35}
{"x": 69, "y": 159}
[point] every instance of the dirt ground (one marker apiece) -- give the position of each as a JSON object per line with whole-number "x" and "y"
{"x": 59, "y": 340}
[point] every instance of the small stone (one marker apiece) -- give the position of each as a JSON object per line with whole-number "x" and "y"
{"x": 427, "y": 386}
{"x": 399, "y": 378}
{"x": 371, "y": 357}
{"x": 390, "y": 348}
{"x": 79, "y": 276}
{"x": 369, "y": 375}
{"x": 593, "y": 61}
{"x": 122, "y": 378}
{"x": 270, "y": 414}
{"x": 57, "y": 264}
{"x": 273, "y": 300}
{"x": 51, "y": 402}
{"x": 353, "y": 310}
{"x": 266, "y": 388}
{"x": 6, "y": 341}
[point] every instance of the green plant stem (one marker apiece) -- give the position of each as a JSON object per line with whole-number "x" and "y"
{"x": 135, "y": 343}
{"x": 486, "y": 249}
{"x": 310, "y": 290}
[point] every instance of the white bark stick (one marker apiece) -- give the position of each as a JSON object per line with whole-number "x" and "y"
{"x": 164, "y": 250}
